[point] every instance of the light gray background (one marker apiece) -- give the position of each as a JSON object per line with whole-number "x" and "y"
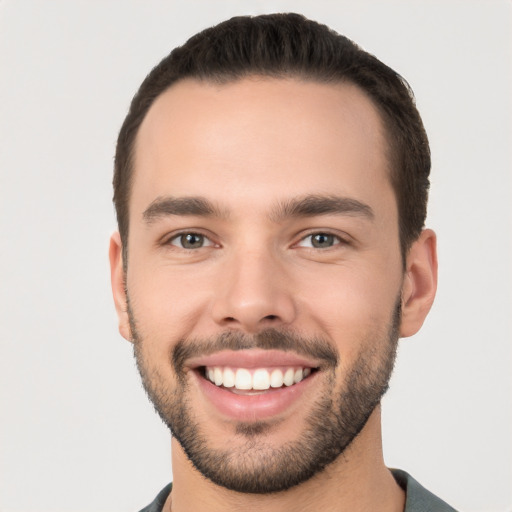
{"x": 76, "y": 431}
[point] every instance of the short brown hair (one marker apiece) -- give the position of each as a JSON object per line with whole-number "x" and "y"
{"x": 289, "y": 45}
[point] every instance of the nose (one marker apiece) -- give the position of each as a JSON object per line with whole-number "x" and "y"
{"x": 254, "y": 292}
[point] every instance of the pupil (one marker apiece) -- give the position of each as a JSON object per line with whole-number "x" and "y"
{"x": 191, "y": 241}
{"x": 322, "y": 240}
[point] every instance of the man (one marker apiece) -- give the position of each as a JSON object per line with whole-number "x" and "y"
{"x": 271, "y": 183}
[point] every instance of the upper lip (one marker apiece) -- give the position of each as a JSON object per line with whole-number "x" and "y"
{"x": 252, "y": 358}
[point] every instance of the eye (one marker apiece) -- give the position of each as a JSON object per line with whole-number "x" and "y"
{"x": 190, "y": 241}
{"x": 320, "y": 241}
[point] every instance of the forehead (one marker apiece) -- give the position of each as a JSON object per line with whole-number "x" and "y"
{"x": 258, "y": 139}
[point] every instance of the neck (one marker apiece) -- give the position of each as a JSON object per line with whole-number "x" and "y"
{"x": 356, "y": 481}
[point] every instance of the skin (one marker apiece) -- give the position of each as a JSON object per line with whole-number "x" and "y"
{"x": 248, "y": 147}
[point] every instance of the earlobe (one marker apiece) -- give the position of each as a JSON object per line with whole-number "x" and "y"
{"x": 420, "y": 283}
{"x": 117, "y": 278}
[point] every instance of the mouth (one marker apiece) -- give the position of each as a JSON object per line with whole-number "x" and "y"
{"x": 253, "y": 385}
{"x": 246, "y": 381}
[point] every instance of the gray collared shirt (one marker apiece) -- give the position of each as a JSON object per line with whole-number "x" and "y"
{"x": 418, "y": 499}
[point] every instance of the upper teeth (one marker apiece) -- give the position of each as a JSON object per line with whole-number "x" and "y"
{"x": 258, "y": 379}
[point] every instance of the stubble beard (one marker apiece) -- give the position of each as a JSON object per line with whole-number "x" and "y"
{"x": 255, "y": 465}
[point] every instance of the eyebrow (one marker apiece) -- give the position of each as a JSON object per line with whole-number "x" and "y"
{"x": 168, "y": 206}
{"x": 312, "y": 205}
{"x": 306, "y": 206}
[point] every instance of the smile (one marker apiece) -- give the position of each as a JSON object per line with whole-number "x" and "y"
{"x": 258, "y": 379}
{"x": 253, "y": 385}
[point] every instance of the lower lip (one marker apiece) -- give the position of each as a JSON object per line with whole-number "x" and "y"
{"x": 257, "y": 407}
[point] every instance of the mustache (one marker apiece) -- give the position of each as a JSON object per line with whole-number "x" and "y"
{"x": 268, "y": 339}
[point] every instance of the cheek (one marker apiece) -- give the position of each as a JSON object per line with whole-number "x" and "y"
{"x": 167, "y": 302}
{"x": 351, "y": 305}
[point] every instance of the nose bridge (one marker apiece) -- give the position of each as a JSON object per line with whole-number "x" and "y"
{"x": 253, "y": 290}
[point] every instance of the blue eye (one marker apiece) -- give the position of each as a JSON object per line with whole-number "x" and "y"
{"x": 190, "y": 241}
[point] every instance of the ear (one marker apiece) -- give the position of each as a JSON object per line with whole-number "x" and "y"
{"x": 117, "y": 278}
{"x": 420, "y": 283}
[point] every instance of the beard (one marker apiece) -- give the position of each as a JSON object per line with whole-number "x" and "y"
{"x": 256, "y": 466}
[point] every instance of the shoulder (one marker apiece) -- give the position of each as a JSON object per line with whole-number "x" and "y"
{"x": 157, "y": 504}
{"x": 418, "y": 499}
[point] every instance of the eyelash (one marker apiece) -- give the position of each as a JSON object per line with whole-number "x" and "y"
{"x": 183, "y": 234}
{"x": 336, "y": 240}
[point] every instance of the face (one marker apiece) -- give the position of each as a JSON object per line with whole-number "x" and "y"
{"x": 264, "y": 277}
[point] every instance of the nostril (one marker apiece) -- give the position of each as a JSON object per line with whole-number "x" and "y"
{"x": 270, "y": 317}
